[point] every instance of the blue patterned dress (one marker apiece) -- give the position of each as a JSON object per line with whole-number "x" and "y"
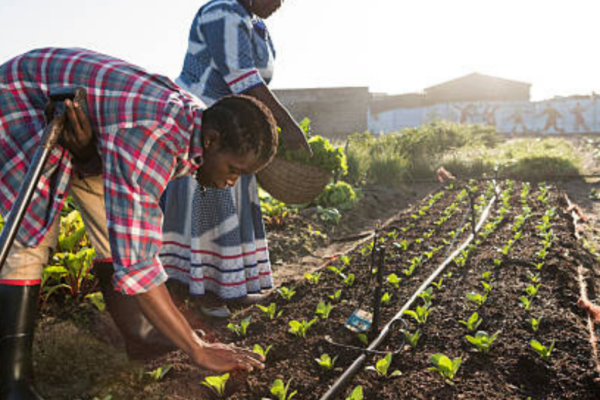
{"x": 216, "y": 241}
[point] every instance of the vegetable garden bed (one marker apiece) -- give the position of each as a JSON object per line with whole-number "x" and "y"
{"x": 519, "y": 276}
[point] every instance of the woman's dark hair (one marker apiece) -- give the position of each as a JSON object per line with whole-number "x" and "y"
{"x": 245, "y": 124}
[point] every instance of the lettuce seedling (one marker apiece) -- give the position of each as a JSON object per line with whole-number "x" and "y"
{"x": 439, "y": 284}
{"x": 286, "y": 293}
{"x": 216, "y": 384}
{"x": 336, "y": 296}
{"x": 159, "y": 373}
{"x": 473, "y": 322}
{"x": 427, "y": 296}
{"x": 487, "y": 286}
{"x": 539, "y": 265}
{"x": 300, "y": 328}
{"x": 345, "y": 260}
{"x": 263, "y": 352}
{"x": 281, "y": 391}
{"x": 357, "y": 394}
{"x": 446, "y": 367}
{"x": 532, "y": 291}
{"x": 394, "y": 280}
{"x": 497, "y": 262}
{"x": 420, "y": 315}
{"x": 313, "y": 279}
{"x": 364, "y": 339}
{"x": 323, "y": 310}
{"x": 534, "y": 278}
{"x": 487, "y": 276}
{"x": 382, "y": 366}
{"x": 543, "y": 351}
{"x": 336, "y": 270}
{"x": 271, "y": 310}
{"x": 240, "y": 329}
{"x": 412, "y": 338}
{"x": 482, "y": 340}
{"x": 535, "y": 323}
{"x": 326, "y": 362}
{"x": 477, "y": 298}
{"x": 409, "y": 271}
{"x": 525, "y": 302}
{"x": 349, "y": 281}
{"x": 386, "y": 298}
{"x": 403, "y": 245}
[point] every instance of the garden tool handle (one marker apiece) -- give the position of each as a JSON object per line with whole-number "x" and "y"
{"x": 50, "y": 138}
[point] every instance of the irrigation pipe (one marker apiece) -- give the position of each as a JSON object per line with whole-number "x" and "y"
{"x": 342, "y": 381}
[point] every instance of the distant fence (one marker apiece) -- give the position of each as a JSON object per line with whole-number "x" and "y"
{"x": 558, "y": 117}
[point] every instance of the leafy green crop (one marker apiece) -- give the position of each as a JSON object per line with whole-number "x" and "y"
{"x": 357, "y": 394}
{"x": 473, "y": 322}
{"x": 271, "y": 310}
{"x": 339, "y": 195}
{"x": 543, "y": 351}
{"x": 325, "y": 156}
{"x": 412, "y": 338}
{"x": 300, "y": 328}
{"x": 326, "y": 361}
{"x": 446, "y": 367}
{"x": 257, "y": 348}
{"x": 313, "y": 279}
{"x": 394, "y": 280}
{"x": 216, "y": 384}
{"x": 420, "y": 314}
{"x": 281, "y": 390}
{"x": 286, "y": 293}
{"x": 240, "y": 329}
{"x": 324, "y": 309}
{"x": 382, "y": 367}
{"x": 482, "y": 340}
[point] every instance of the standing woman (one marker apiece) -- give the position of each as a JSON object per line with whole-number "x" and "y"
{"x": 214, "y": 239}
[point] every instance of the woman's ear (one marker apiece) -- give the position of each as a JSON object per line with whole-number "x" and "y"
{"x": 210, "y": 138}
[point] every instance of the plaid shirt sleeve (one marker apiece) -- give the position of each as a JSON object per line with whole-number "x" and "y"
{"x": 228, "y": 39}
{"x": 138, "y": 164}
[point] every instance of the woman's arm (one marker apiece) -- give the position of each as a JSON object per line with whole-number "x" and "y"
{"x": 291, "y": 134}
{"x": 158, "y": 307}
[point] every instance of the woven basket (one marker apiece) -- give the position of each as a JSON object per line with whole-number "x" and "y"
{"x": 292, "y": 182}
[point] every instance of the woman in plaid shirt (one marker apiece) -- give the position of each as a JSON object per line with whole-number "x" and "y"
{"x": 148, "y": 132}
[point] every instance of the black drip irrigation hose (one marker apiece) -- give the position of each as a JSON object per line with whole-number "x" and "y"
{"x": 351, "y": 371}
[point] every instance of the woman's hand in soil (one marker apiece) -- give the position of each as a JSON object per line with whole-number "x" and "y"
{"x": 220, "y": 357}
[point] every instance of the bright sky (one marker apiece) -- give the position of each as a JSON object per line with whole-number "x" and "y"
{"x": 392, "y": 46}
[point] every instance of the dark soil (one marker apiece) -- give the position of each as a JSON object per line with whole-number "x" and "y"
{"x": 511, "y": 370}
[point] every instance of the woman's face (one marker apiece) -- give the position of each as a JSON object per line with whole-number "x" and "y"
{"x": 222, "y": 168}
{"x": 264, "y": 8}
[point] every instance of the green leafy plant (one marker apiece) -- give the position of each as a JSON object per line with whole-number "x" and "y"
{"x": 473, "y": 322}
{"x": 281, "y": 390}
{"x": 535, "y": 323}
{"x": 300, "y": 328}
{"x": 216, "y": 383}
{"x": 286, "y": 293}
{"x": 357, "y": 394}
{"x": 427, "y": 296}
{"x": 382, "y": 367}
{"x": 330, "y": 215}
{"x": 336, "y": 296}
{"x": 532, "y": 290}
{"x": 240, "y": 329}
{"x": 257, "y": 348}
{"x": 338, "y": 271}
{"x": 326, "y": 362}
{"x": 349, "y": 281}
{"x": 525, "y": 302}
{"x": 313, "y": 279}
{"x": 419, "y": 315}
{"x": 270, "y": 310}
{"x": 323, "y": 309}
{"x": 339, "y": 195}
{"x": 439, "y": 284}
{"x": 477, "y": 298}
{"x": 482, "y": 340}
{"x": 543, "y": 351}
{"x": 159, "y": 373}
{"x": 446, "y": 367}
{"x": 412, "y": 338}
{"x": 394, "y": 280}
{"x": 386, "y": 298}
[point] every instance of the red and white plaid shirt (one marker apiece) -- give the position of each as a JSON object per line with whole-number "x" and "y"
{"x": 148, "y": 134}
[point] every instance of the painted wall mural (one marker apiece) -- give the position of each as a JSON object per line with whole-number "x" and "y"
{"x": 563, "y": 116}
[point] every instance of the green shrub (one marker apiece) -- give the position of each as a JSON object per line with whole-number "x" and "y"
{"x": 339, "y": 195}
